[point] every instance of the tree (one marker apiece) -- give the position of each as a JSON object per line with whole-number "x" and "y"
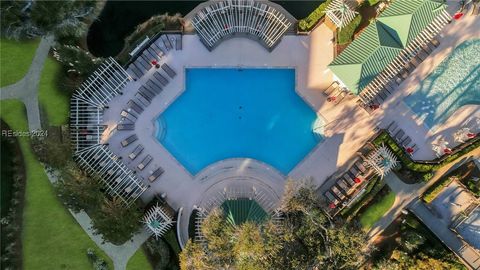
{"x": 78, "y": 191}
{"x": 30, "y": 19}
{"x": 115, "y": 221}
{"x": 306, "y": 238}
{"x": 76, "y": 60}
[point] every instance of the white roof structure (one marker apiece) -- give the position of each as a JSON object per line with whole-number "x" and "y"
{"x": 98, "y": 161}
{"x": 157, "y": 221}
{"x": 86, "y": 129}
{"x": 341, "y": 12}
{"x": 219, "y": 20}
{"x": 382, "y": 161}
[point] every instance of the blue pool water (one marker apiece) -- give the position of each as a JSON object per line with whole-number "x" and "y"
{"x": 455, "y": 82}
{"x": 238, "y": 113}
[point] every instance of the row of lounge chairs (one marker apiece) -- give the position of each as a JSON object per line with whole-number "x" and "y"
{"x": 153, "y": 54}
{"x": 380, "y": 95}
{"x": 401, "y": 138}
{"x": 336, "y": 93}
{"x": 154, "y": 174}
{"x": 347, "y": 184}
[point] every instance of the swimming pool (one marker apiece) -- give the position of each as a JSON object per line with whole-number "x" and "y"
{"x": 455, "y": 82}
{"x": 238, "y": 113}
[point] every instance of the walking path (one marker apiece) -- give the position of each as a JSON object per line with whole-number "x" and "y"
{"x": 469, "y": 256}
{"x": 406, "y": 194}
{"x": 119, "y": 254}
{"x": 26, "y": 89}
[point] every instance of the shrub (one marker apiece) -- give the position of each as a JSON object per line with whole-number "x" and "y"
{"x": 371, "y": 190}
{"x": 97, "y": 263}
{"x": 313, "y": 18}
{"x": 421, "y": 170}
{"x": 436, "y": 188}
{"x": 473, "y": 187}
{"x": 345, "y": 35}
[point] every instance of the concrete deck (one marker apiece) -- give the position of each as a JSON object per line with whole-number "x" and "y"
{"x": 347, "y": 126}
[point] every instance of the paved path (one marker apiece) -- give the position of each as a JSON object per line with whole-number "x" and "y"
{"x": 406, "y": 194}
{"x": 27, "y": 88}
{"x": 119, "y": 254}
{"x": 469, "y": 256}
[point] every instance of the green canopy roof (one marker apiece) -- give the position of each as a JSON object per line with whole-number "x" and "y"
{"x": 382, "y": 41}
{"x": 239, "y": 211}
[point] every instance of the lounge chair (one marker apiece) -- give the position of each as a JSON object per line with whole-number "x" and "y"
{"x": 154, "y": 86}
{"x": 330, "y": 89}
{"x": 391, "y": 129}
{"x": 178, "y": 42}
{"x": 406, "y": 141}
{"x": 346, "y": 188}
{"x": 166, "y": 42}
{"x": 144, "y": 163}
{"x": 155, "y": 174}
{"x": 154, "y": 53}
{"x": 129, "y": 140}
{"x": 338, "y": 193}
{"x": 134, "y": 106}
{"x": 399, "y": 135}
{"x": 169, "y": 70}
{"x": 348, "y": 179}
{"x": 136, "y": 152}
{"x": 125, "y": 126}
{"x": 157, "y": 50}
{"x": 146, "y": 92}
{"x": 160, "y": 78}
{"x": 148, "y": 55}
{"x": 360, "y": 166}
{"x": 331, "y": 198}
{"x": 142, "y": 99}
{"x": 128, "y": 115}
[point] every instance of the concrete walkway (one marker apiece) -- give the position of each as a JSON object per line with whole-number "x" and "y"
{"x": 469, "y": 256}
{"x": 26, "y": 89}
{"x": 120, "y": 255}
{"x": 406, "y": 194}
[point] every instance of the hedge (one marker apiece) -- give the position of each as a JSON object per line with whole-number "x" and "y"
{"x": 373, "y": 187}
{"x": 313, "y": 18}
{"x": 422, "y": 169}
{"x": 433, "y": 191}
{"x": 345, "y": 35}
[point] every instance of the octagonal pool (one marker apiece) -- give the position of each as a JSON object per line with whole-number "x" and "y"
{"x": 238, "y": 113}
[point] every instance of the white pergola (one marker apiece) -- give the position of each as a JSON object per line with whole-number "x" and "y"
{"x": 341, "y": 12}
{"x": 218, "y": 20}
{"x": 158, "y": 221}
{"x": 382, "y": 161}
{"x": 86, "y": 129}
{"x": 99, "y": 162}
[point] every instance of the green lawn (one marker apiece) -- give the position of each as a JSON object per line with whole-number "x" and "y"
{"x": 15, "y": 59}
{"x": 51, "y": 237}
{"x": 376, "y": 210}
{"x": 52, "y": 100}
{"x": 139, "y": 261}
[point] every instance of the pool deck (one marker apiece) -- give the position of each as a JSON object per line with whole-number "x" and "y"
{"x": 347, "y": 126}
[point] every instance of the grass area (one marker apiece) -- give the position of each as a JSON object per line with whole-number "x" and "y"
{"x": 53, "y": 100}
{"x": 345, "y": 35}
{"x": 376, "y": 210}
{"x": 432, "y": 192}
{"x": 15, "y": 59}
{"x": 139, "y": 261}
{"x": 51, "y": 237}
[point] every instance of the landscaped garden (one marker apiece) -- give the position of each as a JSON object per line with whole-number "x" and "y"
{"x": 376, "y": 210}
{"x": 408, "y": 244}
{"x": 19, "y": 56}
{"x": 47, "y": 225}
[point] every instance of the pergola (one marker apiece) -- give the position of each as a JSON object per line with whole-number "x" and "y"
{"x": 341, "y": 12}
{"x": 86, "y": 129}
{"x": 382, "y": 161}
{"x": 218, "y": 20}
{"x": 157, "y": 221}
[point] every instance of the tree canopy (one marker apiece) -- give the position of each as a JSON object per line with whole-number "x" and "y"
{"x": 306, "y": 238}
